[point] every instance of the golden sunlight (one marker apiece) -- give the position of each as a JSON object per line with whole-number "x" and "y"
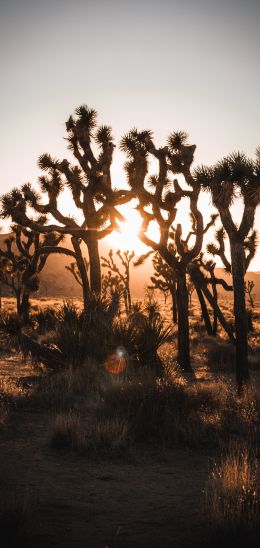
{"x": 127, "y": 235}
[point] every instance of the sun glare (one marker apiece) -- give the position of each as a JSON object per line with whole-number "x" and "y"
{"x": 127, "y": 235}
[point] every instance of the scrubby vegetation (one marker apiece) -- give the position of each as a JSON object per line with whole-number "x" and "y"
{"x": 111, "y": 382}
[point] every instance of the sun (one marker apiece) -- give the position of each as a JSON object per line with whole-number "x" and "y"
{"x": 127, "y": 235}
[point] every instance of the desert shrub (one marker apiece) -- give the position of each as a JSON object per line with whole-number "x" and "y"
{"x": 61, "y": 390}
{"x": 108, "y": 438}
{"x": 52, "y": 391}
{"x": 220, "y": 355}
{"x": 45, "y": 320}
{"x": 81, "y": 335}
{"x": 175, "y": 412}
{"x": 65, "y": 434}
{"x": 240, "y": 416}
{"x": 10, "y": 324}
{"x": 198, "y": 330}
{"x": 165, "y": 412}
{"x": 150, "y": 333}
{"x": 104, "y": 438}
{"x": 142, "y": 336}
{"x": 72, "y": 339}
{"x": 232, "y": 498}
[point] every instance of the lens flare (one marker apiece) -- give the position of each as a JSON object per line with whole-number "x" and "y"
{"x": 116, "y": 363}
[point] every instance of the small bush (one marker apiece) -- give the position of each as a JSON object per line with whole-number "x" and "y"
{"x": 65, "y": 434}
{"x": 240, "y": 415}
{"x": 59, "y": 391}
{"x": 102, "y": 439}
{"x": 45, "y": 320}
{"x": 168, "y": 412}
{"x": 108, "y": 438}
{"x": 232, "y": 498}
{"x": 221, "y": 355}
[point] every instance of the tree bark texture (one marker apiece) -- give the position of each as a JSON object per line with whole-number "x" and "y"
{"x": 183, "y": 324}
{"x": 238, "y": 272}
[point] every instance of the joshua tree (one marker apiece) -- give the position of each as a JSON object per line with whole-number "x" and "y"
{"x": 190, "y": 289}
{"x": 164, "y": 279}
{"x": 210, "y": 266}
{"x": 234, "y": 176}
{"x": 112, "y": 285}
{"x": 201, "y": 282}
{"x": 74, "y": 270}
{"x": 91, "y": 188}
{"x": 121, "y": 279}
{"x": 158, "y": 197}
{"x": 21, "y": 261}
{"x": 249, "y": 286}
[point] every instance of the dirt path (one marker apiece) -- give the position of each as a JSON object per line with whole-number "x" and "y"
{"x": 76, "y": 503}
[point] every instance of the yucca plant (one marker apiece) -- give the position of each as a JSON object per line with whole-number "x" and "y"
{"x": 148, "y": 333}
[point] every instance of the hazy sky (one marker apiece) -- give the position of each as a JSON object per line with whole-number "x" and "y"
{"x": 166, "y": 64}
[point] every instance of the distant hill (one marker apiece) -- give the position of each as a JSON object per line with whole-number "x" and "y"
{"x": 56, "y": 280}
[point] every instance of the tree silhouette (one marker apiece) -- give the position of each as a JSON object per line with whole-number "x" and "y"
{"x": 91, "y": 189}
{"x": 234, "y": 176}
{"x": 74, "y": 270}
{"x": 158, "y": 197}
{"x": 21, "y": 261}
{"x": 249, "y": 286}
{"x": 164, "y": 279}
{"x": 121, "y": 279}
{"x": 198, "y": 271}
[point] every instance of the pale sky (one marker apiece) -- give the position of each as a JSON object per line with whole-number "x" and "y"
{"x": 164, "y": 65}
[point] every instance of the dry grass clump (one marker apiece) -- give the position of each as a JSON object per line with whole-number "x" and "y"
{"x": 233, "y": 498}
{"x": 240, "y": 415}
{"x": 174, "y": 412}
{"x": 65, "y": 434}
{"x": 60, "y": 391}
{"x": 166, "y": 412}
{"x": 108, "y": 438}
{"x": 101, "y": 439}
{"x": 220, "y": 355}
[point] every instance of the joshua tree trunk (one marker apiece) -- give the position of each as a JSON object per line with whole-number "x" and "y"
{"x": 204, "y": 311}
{"x": 18, "y": 301}
{"x": 24, "y": 307}
{"x": 183, "y": 323}
{"x": 215, "y": 316}
{"x": 174, "y": 305}
{"x": 220, "y": 315}
{"x": 129, "y": 302}
{"x": 94, "y": 263}
{"x": 83, "y": 273}
{"x": 238, "y": 272}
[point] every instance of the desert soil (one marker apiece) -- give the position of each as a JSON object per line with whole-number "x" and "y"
{"x": 151, "y": 502}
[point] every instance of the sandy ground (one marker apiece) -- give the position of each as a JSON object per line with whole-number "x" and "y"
{"x": 152, "y": 502}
